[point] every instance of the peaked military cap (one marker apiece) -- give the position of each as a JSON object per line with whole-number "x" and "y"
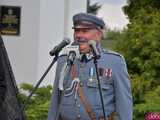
{"x": 87, "y": 20}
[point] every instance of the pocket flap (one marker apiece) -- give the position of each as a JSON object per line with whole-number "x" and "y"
{"x": 94, "y": 84}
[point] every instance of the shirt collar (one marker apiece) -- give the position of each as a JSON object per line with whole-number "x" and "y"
{"x": 89, "y": 56}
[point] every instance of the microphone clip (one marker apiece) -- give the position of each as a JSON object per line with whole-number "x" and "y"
{"x": 94, "y": 49}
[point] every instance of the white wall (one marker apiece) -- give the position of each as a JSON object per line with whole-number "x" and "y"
{"x": 55, "y": 24}
{"x": 44, "y": 23}
{"x": 22, "y": 49}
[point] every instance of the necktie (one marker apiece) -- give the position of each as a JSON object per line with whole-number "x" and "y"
{"x": 84, "y": 58}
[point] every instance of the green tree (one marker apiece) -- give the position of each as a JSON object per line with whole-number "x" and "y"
{"x": 140, "y": 45}
{"x": 37, "y": 108}
{"x": 93, "y": 8}
{"x": 110, "y": 38}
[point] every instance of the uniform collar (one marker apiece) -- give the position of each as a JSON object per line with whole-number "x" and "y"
{"x": 88, "y": 56}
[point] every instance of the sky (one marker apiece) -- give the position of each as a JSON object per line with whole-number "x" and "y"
{"x": 111, "y": 12}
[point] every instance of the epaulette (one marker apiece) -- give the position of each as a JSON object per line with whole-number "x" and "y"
{"x": 62, "y": 55}
{"x": 107, "y": 51}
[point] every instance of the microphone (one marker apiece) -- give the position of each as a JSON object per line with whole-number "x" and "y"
{"x": 95, "y": 51}
{"x": 73, "y": 52}
{"x": 60, "y": 46}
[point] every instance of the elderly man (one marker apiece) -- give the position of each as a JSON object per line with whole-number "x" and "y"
{"x": 82, "y": 102}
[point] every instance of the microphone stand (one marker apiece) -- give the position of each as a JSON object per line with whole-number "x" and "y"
{"x": 99, "y": 85}
{"x": 39, "y": 82}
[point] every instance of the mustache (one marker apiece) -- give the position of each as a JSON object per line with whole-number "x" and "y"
{"x": 81, "y": 40}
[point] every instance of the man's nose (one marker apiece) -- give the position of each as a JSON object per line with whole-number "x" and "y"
{"x": 79, "y": 33}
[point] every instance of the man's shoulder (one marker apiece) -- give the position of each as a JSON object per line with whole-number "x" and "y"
{"x": 113, "y": 56}
{"x": 111, "y": 53}
{"x": 62, "y": 58}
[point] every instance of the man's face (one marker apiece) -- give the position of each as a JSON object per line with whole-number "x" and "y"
{"x": 83, "y": 34}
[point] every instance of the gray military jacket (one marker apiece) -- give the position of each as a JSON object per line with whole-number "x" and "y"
{"x": 115, "y": 85}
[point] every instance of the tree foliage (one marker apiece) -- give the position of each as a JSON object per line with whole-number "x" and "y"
{"x": 93, "y": 8}
{"x": 140, "y": 44}
{"x": 37, "y": 108}
{"x": 110, "y": 39}
{"x": 141, "y": 47}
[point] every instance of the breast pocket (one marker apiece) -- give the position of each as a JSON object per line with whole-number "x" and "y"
{"x": 93, "y": 90}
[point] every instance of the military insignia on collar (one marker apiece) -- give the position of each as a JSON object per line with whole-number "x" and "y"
{"x": 105, "y": 72}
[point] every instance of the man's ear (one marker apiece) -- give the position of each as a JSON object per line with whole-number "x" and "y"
{"x": 74, "y": 35}
{"x": 100, "y": 34}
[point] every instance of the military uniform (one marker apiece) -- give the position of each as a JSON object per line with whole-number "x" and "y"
{"x": 115, "y": 85}
{"x": 81, "y": 99}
